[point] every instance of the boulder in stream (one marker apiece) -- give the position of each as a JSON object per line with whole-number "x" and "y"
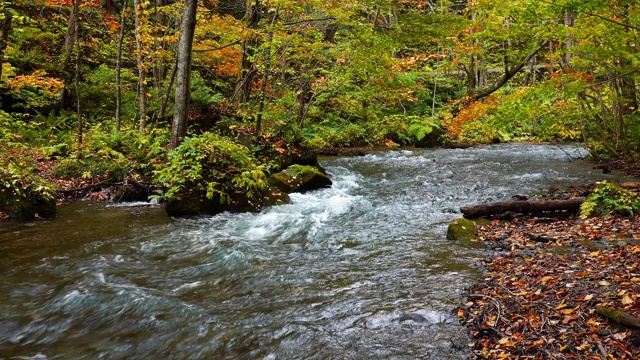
{"x": 195, "y": 204}
{"x": 465, "y": 229}
{"x": 299, "y": 178}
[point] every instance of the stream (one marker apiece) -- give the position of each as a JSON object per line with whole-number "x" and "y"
{"x": 361, "y": 270}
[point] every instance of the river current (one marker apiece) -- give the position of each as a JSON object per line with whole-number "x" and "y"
{"x": 361, "y": 270}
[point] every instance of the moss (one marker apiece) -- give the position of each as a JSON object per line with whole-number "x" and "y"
{"x": 299, "y": 178}
{"x": 465, "y": 229}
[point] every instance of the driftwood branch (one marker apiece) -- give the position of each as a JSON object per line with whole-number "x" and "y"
{"x": 619, "y": 317}
{"x": 476, "y": 211}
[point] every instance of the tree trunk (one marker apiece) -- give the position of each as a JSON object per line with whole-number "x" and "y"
{"x": 305, "y": 87}
{"x": 74, "y": 4}
{"x": 183, "y": 83}
{"x": 509, "y": 72}
{"x": 5, "y": 29}
{"x": 142, "y": 73}
{"x": 69, "y": 40}
{"x": 159, "y": 68}
{"x": 119, "y": 67}
{"x": 247, "y": 68}
{"x": 476, "y": 211}
{"x": 569, "y": 21}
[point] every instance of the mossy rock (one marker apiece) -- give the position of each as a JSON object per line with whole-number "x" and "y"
{"x": 299, "y": 178}
{"x": 26, "y": 207}
{"x": 193, "y": 204}
{"x": 465, "y": 229}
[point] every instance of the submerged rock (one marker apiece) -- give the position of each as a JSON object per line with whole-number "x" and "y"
{"x": 299, "y": 178}
{"x": 465, "y": 229}
{"x": 195, "y": 204}
{"x": 412, "y": 317}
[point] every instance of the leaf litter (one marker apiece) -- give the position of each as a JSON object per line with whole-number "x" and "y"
{"x": 538, "y": 298}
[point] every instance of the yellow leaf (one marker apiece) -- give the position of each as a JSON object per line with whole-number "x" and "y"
{"x": 604, "y": 283}
{"x": 588, "y": 297}
{"x": 538, "y": 343}
{"x": 561, "y": 306}
{"x": 585, "y": 345}
{"x": 594, "y": 254}
{"x": 538, "y": 291}
{"x": 546, "y": 279}
{"x": 626, "y": 300}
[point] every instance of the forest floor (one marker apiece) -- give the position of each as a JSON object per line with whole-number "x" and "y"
{"x": 544, "y": 281}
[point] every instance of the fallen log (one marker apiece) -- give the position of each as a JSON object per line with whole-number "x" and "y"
{"x": 619, "y": 317}
{"x": 482, "y": 210}
{"x": 630, "y": 185}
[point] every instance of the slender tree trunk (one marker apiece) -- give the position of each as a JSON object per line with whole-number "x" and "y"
{"x": 165, "y": 98}
{"x": 119, "y": 68}
{"x": 183, "y": 84}
{"x": 142, "y": 73}
{"x": 159, "y": 62}
{"x": 265, "y": 73}
{"x": 530, "y": 72}
{"x": 159, "y": 69}
{"x": 305, "y": 87}
{"x": 74, "y": 4}
{"x": 569, "y": 20}
{"x": 69, "y": 40}
{"x": 5, "y": 29}
{"x": 247, "y": 69}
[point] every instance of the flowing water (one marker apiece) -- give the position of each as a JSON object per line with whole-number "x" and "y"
{"x": 361, "y": 270}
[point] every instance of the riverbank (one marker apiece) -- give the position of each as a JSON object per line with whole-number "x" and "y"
{"x": 545, "y": 280}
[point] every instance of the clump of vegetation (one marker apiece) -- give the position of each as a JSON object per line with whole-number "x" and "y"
{"x": 607, "y": 198}
{"x": 213, "y": 167}
{"x": 24, "y": 194}
{"x": 112, "y": 155}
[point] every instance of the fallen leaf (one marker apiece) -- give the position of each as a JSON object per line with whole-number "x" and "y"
{"x": 626, "y": 300}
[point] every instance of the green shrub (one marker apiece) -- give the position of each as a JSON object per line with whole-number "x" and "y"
{"x": 607, "y": 198}
{"x": 23, "y": 193}
{"x": 211, "y": 166}
{"x": 94, "y": 163}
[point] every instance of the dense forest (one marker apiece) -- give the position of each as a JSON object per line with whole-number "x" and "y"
{"x": 213, "y": 96}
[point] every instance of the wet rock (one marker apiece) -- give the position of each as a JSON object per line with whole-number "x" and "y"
{"x": 299, "y": 178}
{"x": 129, "y": 193}
{"x": 465, "y": 229}
{"x": 412, "y": 317}
{"x": 192, "y": 204}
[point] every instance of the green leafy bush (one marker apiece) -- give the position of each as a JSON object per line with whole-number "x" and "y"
{"x": 214, "y": 167}
{"x": 607, "y": 198}
{"x": 23, "y": 193}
